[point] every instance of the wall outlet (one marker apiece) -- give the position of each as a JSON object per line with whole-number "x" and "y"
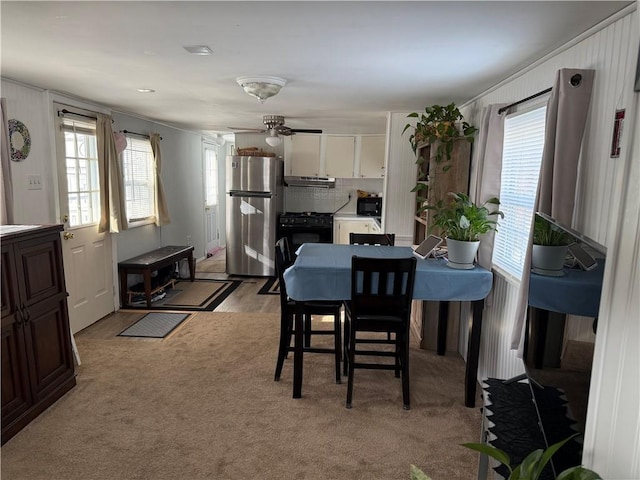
{"x": 188, "y": 239}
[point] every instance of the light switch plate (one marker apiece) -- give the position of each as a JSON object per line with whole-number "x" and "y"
{"x": 34, "y": 182}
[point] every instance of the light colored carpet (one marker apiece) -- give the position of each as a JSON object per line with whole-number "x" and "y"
{"x": 202, "y": 404}
{"x": 214, "y": 264}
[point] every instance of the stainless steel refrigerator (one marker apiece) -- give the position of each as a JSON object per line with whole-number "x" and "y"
{"x": 254, "y": 201}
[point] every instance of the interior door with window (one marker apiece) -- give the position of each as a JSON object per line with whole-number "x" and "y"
{"x": 211, "y": 210}
{"x": 87, "y": 254}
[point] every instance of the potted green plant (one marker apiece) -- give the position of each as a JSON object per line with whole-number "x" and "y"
{"x": 462, "y": 222}
{"x": 550, "y": 245}
{"x": 531, "y": 467}
{"x": 441, "y": 125}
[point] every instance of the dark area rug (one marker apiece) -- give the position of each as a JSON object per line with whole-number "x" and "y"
{"x": 154, "y": 325}
{"x": 270, "y": 287}
{"x": 202, "y": 295}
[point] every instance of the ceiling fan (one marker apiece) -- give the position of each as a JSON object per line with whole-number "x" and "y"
{"x": 275, "y": 127}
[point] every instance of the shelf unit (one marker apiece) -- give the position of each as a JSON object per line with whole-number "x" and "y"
{"x": 440, "y": 181}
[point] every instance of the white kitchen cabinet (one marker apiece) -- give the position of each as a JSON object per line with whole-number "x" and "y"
{"x": 339, "y": 154}
{"x": 304, "y": 156}
{"x": 372, "y": 153}
{"x": 342, "y": 227}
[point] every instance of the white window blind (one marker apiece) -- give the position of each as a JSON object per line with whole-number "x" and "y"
{"x": 139, "y": 180}
{"x": 83, "y": 181}
{"x": 521, "y": 158}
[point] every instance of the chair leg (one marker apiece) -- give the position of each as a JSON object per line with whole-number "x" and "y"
{"x": 337, "y": 345}
{"x": 345, "y": 353}
{"x": 351, "y": 355}
{"x": 406, "y": 397}
{"x": 307, "y": 331}
{"x": 285, "y": 341}
{"x": 398, "y": 354}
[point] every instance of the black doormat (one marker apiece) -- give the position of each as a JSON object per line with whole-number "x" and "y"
{"x": 154, "y": 325}
{"x": 270, "y": 287}
{"x": 201, "y": 295}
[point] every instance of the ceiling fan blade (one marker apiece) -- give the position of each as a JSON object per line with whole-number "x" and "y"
{"x": 247, "y": 129}
{"x": 304, "y": 130}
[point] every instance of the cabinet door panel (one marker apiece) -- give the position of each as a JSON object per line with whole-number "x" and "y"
{"x": 16, "y": 392}
{"x": 8, "y": 286}
{"x": 372, "y": 157}
{"x": 339, "y": 156}
{"x": 305, "y": 155}
{"x": 47, "y": 338}
{"x": 38, "y": 271}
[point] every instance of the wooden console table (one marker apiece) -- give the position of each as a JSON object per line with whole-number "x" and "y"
{"x": 150, "y": 262}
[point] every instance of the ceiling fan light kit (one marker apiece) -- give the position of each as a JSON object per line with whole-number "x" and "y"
{"x": 261, "y": 87}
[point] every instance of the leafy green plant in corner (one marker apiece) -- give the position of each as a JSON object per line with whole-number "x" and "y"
{"x": 462, "y": 219}
{"x": 547, "y": 234}
{"x": 531, "y": 467}
{"x": 444, "y": 124}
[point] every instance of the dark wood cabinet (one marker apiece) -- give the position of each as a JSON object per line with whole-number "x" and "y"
{"x": 37, "y": 356}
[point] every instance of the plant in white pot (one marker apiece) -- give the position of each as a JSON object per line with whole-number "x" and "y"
{"x": 462, "y": 222}
{"x": 550, "y": 245}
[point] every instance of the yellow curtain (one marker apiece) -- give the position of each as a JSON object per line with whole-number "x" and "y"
{"x": 112, "y": 202}
{"x": 162, "y": 208}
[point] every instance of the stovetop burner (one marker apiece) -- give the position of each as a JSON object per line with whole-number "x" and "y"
{"x": 306, "y": 218}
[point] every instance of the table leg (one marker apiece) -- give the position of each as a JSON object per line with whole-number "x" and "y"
{"x": 192, "y": 266}
{"x": 297, "y": 356}
{"x": 147, "y": 286}
{"x": 443, "y": 321}
{"x": 473, "y": 352}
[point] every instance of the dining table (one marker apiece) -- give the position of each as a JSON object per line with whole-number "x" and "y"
{"x": 322, "y": 271}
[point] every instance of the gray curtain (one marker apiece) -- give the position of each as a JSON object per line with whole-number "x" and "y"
{"x": 112, "y": 203}
{"x": 488, "y": 169}
{"x": 567, "y": 111}
{"x": 162, "y": 208}
{"x": 6, "y": 215}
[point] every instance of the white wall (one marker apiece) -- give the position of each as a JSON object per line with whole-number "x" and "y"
{"x": 607, "y": 186}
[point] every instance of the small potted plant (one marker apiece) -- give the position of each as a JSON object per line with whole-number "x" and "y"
{"x": 531, "y": 467}
{"x": 550, "y": 246}
{"x": 462, "y": 222}
{"x": 441, "y": 125}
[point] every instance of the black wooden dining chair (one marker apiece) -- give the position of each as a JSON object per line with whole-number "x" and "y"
{"x": 381, "y": 293}
{"x": 372, "y": 239}
{"x": 289, "y": 308}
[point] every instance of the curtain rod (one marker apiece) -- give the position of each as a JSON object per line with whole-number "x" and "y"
{"x": 64, "y": 111}
{"x": 535, "y": 95}
{"x": 139, "y": 134}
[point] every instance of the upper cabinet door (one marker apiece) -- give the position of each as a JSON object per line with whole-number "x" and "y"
{"x": 339, "y": 155}
{"x": 372, "y": 154}
{"x": 304, "y": 159}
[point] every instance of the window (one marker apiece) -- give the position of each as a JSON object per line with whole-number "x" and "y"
{"x": 211, "y": 176}
{"x": 138, "y": 168}
{"x": 521, "y": 158}
{"x": 83, "y": 182}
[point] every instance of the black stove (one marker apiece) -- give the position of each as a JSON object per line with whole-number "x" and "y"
{"x": 305, "y": 227}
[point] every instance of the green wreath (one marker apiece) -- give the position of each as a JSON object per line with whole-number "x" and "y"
{"x": 16, "y": 126}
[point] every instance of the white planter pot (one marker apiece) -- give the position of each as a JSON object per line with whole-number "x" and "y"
{"x": 548, "y": 260}
{"x": 461, "y": 254}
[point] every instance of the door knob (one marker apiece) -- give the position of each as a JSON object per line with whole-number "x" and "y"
{"x": 67, "y": 235}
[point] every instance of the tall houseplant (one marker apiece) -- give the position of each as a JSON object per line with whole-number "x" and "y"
{"x": 463, "y": 222}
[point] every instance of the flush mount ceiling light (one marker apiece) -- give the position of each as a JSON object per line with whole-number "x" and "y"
{"x": 198, "y": 50}
{"x": 146, "y": 90}
{"x": 261, "y": 87}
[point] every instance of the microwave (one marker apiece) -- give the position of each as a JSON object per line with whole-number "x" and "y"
{"x": 369, "y": 206}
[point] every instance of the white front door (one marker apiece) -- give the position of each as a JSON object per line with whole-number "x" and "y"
{"x": 87, "y": 254}
{"x": 211, "y": 210}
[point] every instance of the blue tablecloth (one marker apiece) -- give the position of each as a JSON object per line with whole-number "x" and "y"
{"x": 322, "y": 271}
{"x": 577, "y": 292}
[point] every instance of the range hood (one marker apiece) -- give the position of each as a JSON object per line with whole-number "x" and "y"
{"x": 318, "y": 182}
